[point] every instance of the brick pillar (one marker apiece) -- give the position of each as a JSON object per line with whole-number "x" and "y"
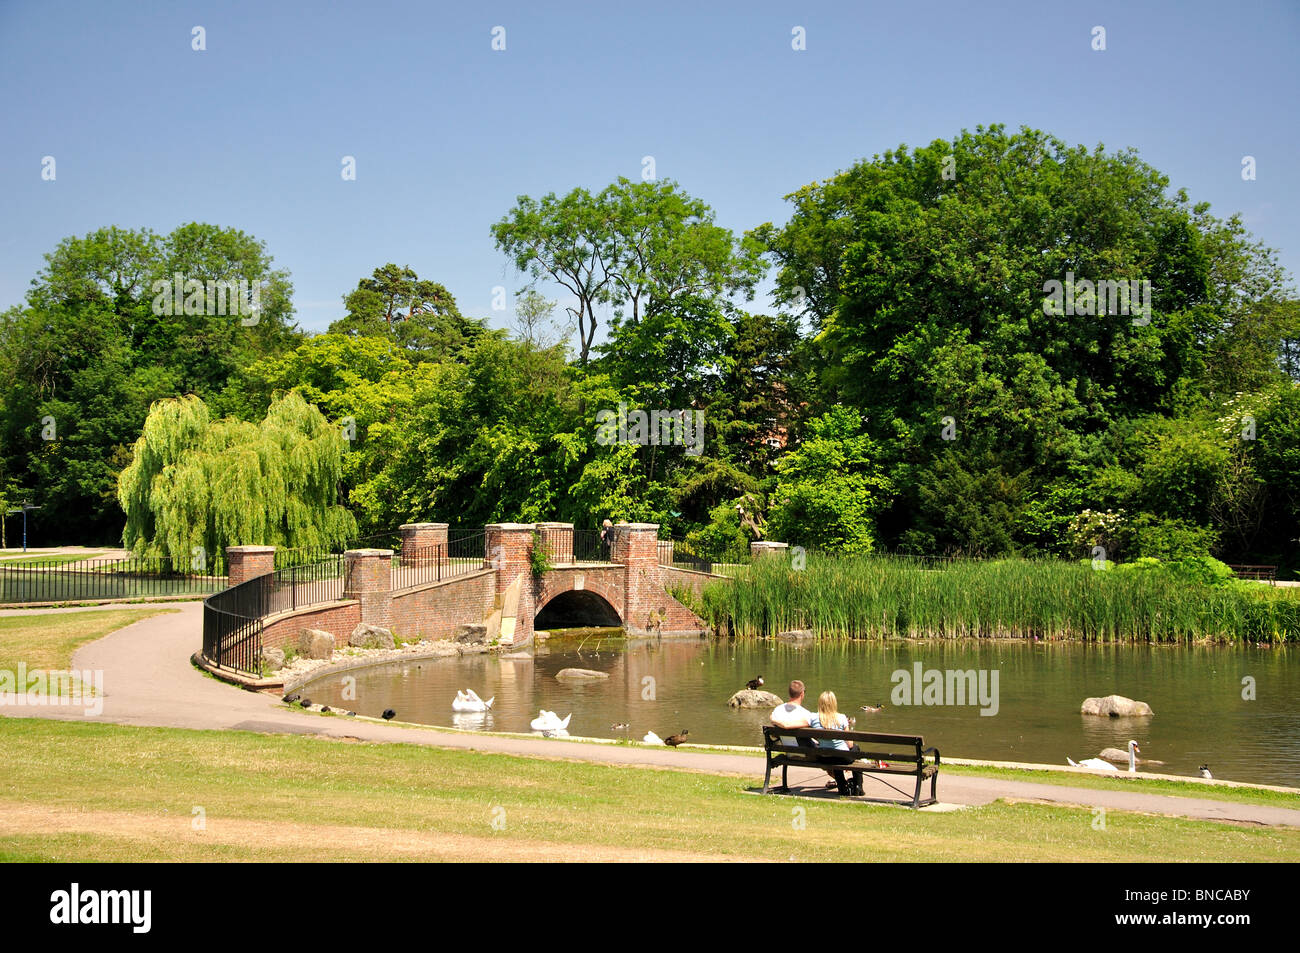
{"x": 419, "y": 540}
{"x": 636, "y": 547}
{"x": 559, "y": 537}
{"x": 368, "y": 579}
{"x": 248, "y": 562}
{"x": 767, "y": 547}
{"x": 509, "y": 547}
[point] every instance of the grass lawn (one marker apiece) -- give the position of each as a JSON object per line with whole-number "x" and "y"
{"x": 93, "y": 792}
{"x": 47, "y": 641}
{"x": 52, "y": 559}
{"x": 1106, "y": 782}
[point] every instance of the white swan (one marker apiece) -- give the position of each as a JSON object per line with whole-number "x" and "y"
{"x": 1095, "y": 763}
{"x": 469, "y": 701}
{"x": 548, "y": 721}
{"x": 1133, "y": 749}
{"x": 652, "y": 739}
{"x": 1205, "y": 772}
{"x": 1104, "y": 762}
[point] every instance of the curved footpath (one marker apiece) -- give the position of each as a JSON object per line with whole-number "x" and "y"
{"x": 149, "y": 680}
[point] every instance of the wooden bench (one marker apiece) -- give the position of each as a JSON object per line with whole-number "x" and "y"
{"x": 895, "y": 755}
{"x": 1267, "y": 573}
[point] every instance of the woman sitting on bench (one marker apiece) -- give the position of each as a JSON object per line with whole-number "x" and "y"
{"x": 828, "y": 716}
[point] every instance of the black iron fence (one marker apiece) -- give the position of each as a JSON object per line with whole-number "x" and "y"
{"x": 681, "y": 555}
{"x": 232, "y": 618}
{"x": 294, "y": 587}
{"x": 232, "y": 625}
{"x": 566, "y": 547}
{"x": 135, "y": 577}
{"x": 463, "y": 553}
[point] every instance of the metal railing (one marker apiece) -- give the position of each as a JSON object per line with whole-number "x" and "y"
{"x": 566, "y": 547}
{"x": 681, "y": 555}
{"x": 294, "y": 587}
{"x": 465, "y": 552}
{"x": 233, "y": 618}
{"x": 232, "y": 625}
{"x": 135, "y": 577}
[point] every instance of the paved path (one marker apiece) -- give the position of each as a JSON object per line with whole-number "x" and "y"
{"x": 148, "y": 680}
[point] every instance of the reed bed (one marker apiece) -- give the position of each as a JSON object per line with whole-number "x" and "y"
{"x": 896, "y": 597}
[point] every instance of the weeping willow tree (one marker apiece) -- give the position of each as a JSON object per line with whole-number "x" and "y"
{"x": 198, "y": 482}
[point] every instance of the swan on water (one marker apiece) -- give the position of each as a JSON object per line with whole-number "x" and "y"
{"x": 549, "y": 721}
{"x": 1205, "y": 772}
{"x": 468, "y": 700}
{"x": 1103, "y": 762}
{"x": 1094, "y": 763}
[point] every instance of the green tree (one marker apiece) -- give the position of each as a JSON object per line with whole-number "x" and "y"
{"x": 831, "y": 488}
{"x": 421, "y": 316}
{"x": 195, "y": 482}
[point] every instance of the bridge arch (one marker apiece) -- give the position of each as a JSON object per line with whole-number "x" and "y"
{"x": 574, "y": 608}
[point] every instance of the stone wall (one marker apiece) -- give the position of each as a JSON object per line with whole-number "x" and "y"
{"x": 337, "y": 618}
{"x": 435, "y": 610}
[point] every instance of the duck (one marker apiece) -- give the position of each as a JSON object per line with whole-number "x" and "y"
{"x": 622, "y": 726}
{"x": 754, "y": 684}
{"x": 652, "y": 739}
{"x": 468, "y": 700}
{"x": 873, "y": 709}
{"x": 388, "y": 714}
{"x": 548, "y": 721}
{"x": 290, "y": 699}
{"x": 675, "y": 740}
{"x": 350, "y": 714}
{"x": 325, "y": 708}
{"x": 1205, "y": 772}
{"x": 305, "y": 703}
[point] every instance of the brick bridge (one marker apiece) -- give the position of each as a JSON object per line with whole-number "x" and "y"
{"x": 627, "y": 585}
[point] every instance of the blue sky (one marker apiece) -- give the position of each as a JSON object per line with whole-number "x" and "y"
{"x": 446, "y": 132}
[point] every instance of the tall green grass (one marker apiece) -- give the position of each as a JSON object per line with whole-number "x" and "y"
{"x": 874, "y": 597}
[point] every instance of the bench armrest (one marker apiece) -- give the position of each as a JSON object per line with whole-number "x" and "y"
{"x": 936, "y": 754}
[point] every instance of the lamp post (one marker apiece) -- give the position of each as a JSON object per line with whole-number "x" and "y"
{"x": 23, "y": 509}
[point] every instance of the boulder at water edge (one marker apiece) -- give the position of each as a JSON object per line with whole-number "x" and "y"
{"x": 272, "y": 658}
{"x": 316, "y": 643}
{"x": 580, "y": 673}
{"x": 471, "y": 633}
{"x": 795, "y": 635}
{"x": 1116, "y": 706}
{"x": 753, "y": 698}
{"x": 367, "y": 636}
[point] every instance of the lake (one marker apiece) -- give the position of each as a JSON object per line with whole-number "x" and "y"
{"x": 665, "y": 686}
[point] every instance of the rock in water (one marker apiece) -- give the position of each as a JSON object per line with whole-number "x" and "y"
{"x": 795, "y": 635}
{"x": 367, "y": 636}
{"x": 753, "y": 698}
{"x": 1116, "y": 706}
{"x": 579, "y": 673}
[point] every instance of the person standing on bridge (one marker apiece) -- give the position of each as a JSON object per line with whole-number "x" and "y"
{"x": 606, "y": 539}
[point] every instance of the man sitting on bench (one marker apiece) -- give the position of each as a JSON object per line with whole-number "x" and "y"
{"x": 793, "y": 715}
